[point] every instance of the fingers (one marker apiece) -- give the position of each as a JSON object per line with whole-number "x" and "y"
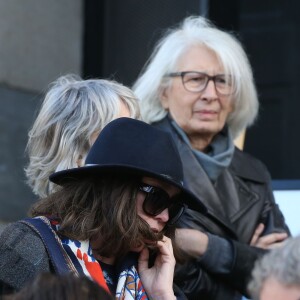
{"x": 269, "y": 241}
{"x": 275, "y": 245}
{"x": 158, "y": 278}
{"x": 258, "y": 231}
{"x": 165, "y": 254}
{"x": 165, "y": 247}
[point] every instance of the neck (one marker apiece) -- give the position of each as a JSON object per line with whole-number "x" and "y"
{"x": 200, "y": 143}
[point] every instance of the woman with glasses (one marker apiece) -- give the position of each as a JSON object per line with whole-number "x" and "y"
{"x": 111, "y": 220}
{"x": 198, "y": 85}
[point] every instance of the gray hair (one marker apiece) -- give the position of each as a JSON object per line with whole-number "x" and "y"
{"x": 281, "y": 264}
{"x": 72, "y": 111}
{"x": 173, "y": 45}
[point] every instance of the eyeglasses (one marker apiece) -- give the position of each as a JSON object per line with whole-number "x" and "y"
{"x": 157, "y": 200}
{"x": 196, "y": 82}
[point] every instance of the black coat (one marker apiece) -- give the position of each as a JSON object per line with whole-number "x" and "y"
{"x": 237, "y": 202}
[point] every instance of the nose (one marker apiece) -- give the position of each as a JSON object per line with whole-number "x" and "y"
{"x": 209, "y": 93}
{"x": 163, "y": 216}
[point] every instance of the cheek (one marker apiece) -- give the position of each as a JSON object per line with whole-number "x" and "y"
{"x": 146, "y": 218}
{"x": 227, "y": 105}
{"x": 181, "y": 110}
{"x": 177, "y": 100}
{"x": 227, "y": 108}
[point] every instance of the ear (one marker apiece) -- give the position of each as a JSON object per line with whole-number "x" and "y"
{"x": 79, "y": 161}
{"x": 164, "y": 98}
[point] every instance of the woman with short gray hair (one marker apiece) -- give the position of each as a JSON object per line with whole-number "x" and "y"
{"x": 73, "y": 113}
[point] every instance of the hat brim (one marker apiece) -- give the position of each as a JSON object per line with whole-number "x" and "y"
{"x": 75, "y": 174}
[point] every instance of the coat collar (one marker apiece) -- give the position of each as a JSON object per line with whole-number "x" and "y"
{"x": 243, "y": 164}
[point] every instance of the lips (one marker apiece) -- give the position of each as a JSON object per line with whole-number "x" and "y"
{"x": 206, "y": 111}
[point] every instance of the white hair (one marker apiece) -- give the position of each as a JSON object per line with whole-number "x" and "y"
{"x": 166, "y": 55}
{"x": 72, "y": 111}
{"x": 281, "y": 264}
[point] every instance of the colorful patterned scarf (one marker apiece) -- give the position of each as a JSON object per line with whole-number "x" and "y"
{"x": 129, "y": 285}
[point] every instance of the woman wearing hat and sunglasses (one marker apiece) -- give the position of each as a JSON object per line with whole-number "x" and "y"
{"x": 111, "y": 220}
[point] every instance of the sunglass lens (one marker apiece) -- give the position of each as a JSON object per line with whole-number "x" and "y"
{"x": 155, "y": 202}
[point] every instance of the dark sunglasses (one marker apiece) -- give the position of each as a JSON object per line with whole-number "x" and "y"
{"x": 157, "y": 200}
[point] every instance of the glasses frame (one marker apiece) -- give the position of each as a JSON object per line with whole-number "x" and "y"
{"x": 148, "y": 189}
{"x": 209, "y": 78}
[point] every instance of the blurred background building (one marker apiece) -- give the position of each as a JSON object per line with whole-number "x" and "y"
{"x": 41, "y": 40}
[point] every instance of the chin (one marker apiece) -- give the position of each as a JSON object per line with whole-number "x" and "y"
{"x": 206, "y": 130}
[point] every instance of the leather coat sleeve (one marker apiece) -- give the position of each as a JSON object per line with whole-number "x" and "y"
{"x": 197, "y": 284}
{"x": 224, "y": 269}
{"x": 244, "y": 260}
{"x": 272, "y": 217}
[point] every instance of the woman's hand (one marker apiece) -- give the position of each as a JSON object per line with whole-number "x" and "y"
{"x": 158, "y": 280}
{"x": 269, "y": 241}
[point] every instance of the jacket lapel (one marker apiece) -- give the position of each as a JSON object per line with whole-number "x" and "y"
{"x": 196, "y": 179}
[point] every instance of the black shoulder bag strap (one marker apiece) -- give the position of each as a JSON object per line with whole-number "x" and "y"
{"x": 59, "y": 258}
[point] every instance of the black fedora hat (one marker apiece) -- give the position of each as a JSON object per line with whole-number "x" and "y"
{"x": 134, "y": 147}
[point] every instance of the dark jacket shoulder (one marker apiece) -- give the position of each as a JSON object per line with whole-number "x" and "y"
{"x": 22, "y": 255}
{"x": 248, "y": 167}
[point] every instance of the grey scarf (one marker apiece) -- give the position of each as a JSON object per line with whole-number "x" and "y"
{"x": 219, "y": 155}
